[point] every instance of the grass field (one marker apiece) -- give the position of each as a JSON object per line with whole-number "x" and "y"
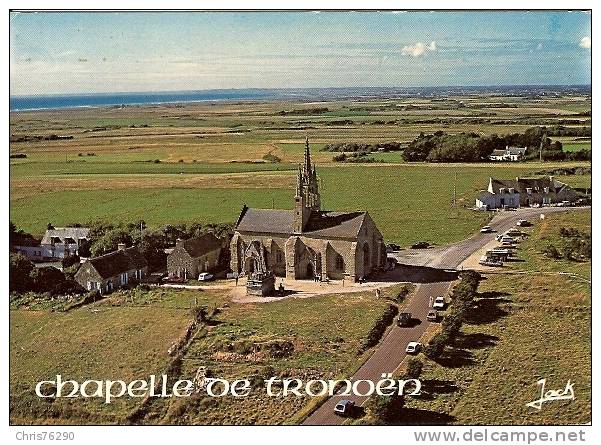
{"x": 523, "y": 328}
{"x": 399, "y": 197}
{"x": 201, "y": 162}
{"x": 127, "y": 336}
{"x": 124, "y": 343}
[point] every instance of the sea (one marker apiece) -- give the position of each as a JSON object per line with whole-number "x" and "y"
{"x": 58, "y": 101}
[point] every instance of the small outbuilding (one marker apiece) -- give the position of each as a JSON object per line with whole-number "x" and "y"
{"x": 113, "y": 270}
{"x": 193, "y": 256}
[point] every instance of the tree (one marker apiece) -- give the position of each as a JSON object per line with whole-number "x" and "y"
{"x": 19, "y": 273}
{"x": 46, "y": 279}
{"x": 70, "y": 260}
{"x": 152, "y": 246}
{"x": 110, "y": 241}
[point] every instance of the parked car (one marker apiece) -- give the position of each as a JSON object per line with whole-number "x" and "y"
{"x": 432, "y": 315}
{"x": 404, "y": 319}
{"x": 392, "y": 247}
{"x": 344, "y": 408}
{"x": 439, "y": 303}
{"x": 421, "y": 245}
{"x": 490, "y": 262}
{"x": 507, "y": 241}
{"x": 173, "y": 279}
{"x": 413, "y": 347}
{"x": 205, "y": 276}
{"x": 486, "y": 229}
{"x": 523, "y": 223}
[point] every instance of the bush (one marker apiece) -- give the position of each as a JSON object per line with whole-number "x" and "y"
{"x": 199, "y": 313}
{"x": 375, "y": 334}
{"x": 385, "y": 410}
{"x": 414, "y": 369}
{"x": 435, "y": 347}
{"x": 452, "y": 323}
{"x": 551, "y": 252}
{"x": 20, "y": 268}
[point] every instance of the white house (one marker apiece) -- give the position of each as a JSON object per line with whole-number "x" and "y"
{"x": 509, "y": 154}
{"x": 524, "y": 192}
{"x": 62, "y": 241}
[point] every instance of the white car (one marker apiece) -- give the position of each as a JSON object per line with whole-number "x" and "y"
{"x": 413, "y": 347}
{"x": 486, "y": 229}
{"x": 205, "y": 276}
{"x": 439, "y": 303}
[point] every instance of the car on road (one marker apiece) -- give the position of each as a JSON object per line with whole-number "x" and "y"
{"x": 205, "y": 276}
{"x": 490, "y": 262}
{"x": 392, "y": 247}
{"x": 486, "y": 229}
{"x": 523, "y": 223}
{"x": 432, "y": 315}
{"x": 439, "y": 303}
{"x": 404, "y": 319}
{"x": 420, "y": 245}
{"x": 513, "y": 232}
{"x": 344, "y": 408}
{"x": 413, "y": 347}
{"x": 507, "y": 241}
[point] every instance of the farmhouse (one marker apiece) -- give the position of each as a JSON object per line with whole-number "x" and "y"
{"x": 307, "y": 242}
{"x": 193, "y": 256}
{"x": 64, "y": 241}
{"x": 509, "y": 154}
{"x": 524, "y": 192}
{"x": 113, "y": 270}
{"x": 56, "y": 244}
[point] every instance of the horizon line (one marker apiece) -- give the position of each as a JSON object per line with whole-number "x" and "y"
{"x": 297, "y": 89}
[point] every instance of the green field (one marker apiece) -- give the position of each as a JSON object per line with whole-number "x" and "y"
{"x": 202, "y": 162}
{"x": 399, "y": 197}
{"x": 127, "y": 336}
{"x": 523, "y": 328}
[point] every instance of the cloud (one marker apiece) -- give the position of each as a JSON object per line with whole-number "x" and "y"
{"x": 419, "y": 49}
{"x": 585, "y": 42}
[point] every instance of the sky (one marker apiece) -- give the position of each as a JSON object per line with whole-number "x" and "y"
{"x": 60, "y": 53}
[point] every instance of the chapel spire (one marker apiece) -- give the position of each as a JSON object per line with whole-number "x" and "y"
{"x": 306, "y": 199}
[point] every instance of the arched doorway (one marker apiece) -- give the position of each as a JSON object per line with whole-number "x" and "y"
{"x": 250, "y": 265}
{"x": 310, "y": 271}
{"x": 366, "y": 258}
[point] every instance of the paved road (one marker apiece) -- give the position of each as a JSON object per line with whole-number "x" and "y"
{"x": 391, "y": 351}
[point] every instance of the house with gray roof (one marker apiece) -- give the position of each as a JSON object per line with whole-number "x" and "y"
{"x": 63, "y": 241}
{"x": 509, "y": 154}
{"x": 524, "y": 192}
{"x": 195, "y": 255}
{"x": 307, "y": 242}
{"x": 105, "y": 273}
